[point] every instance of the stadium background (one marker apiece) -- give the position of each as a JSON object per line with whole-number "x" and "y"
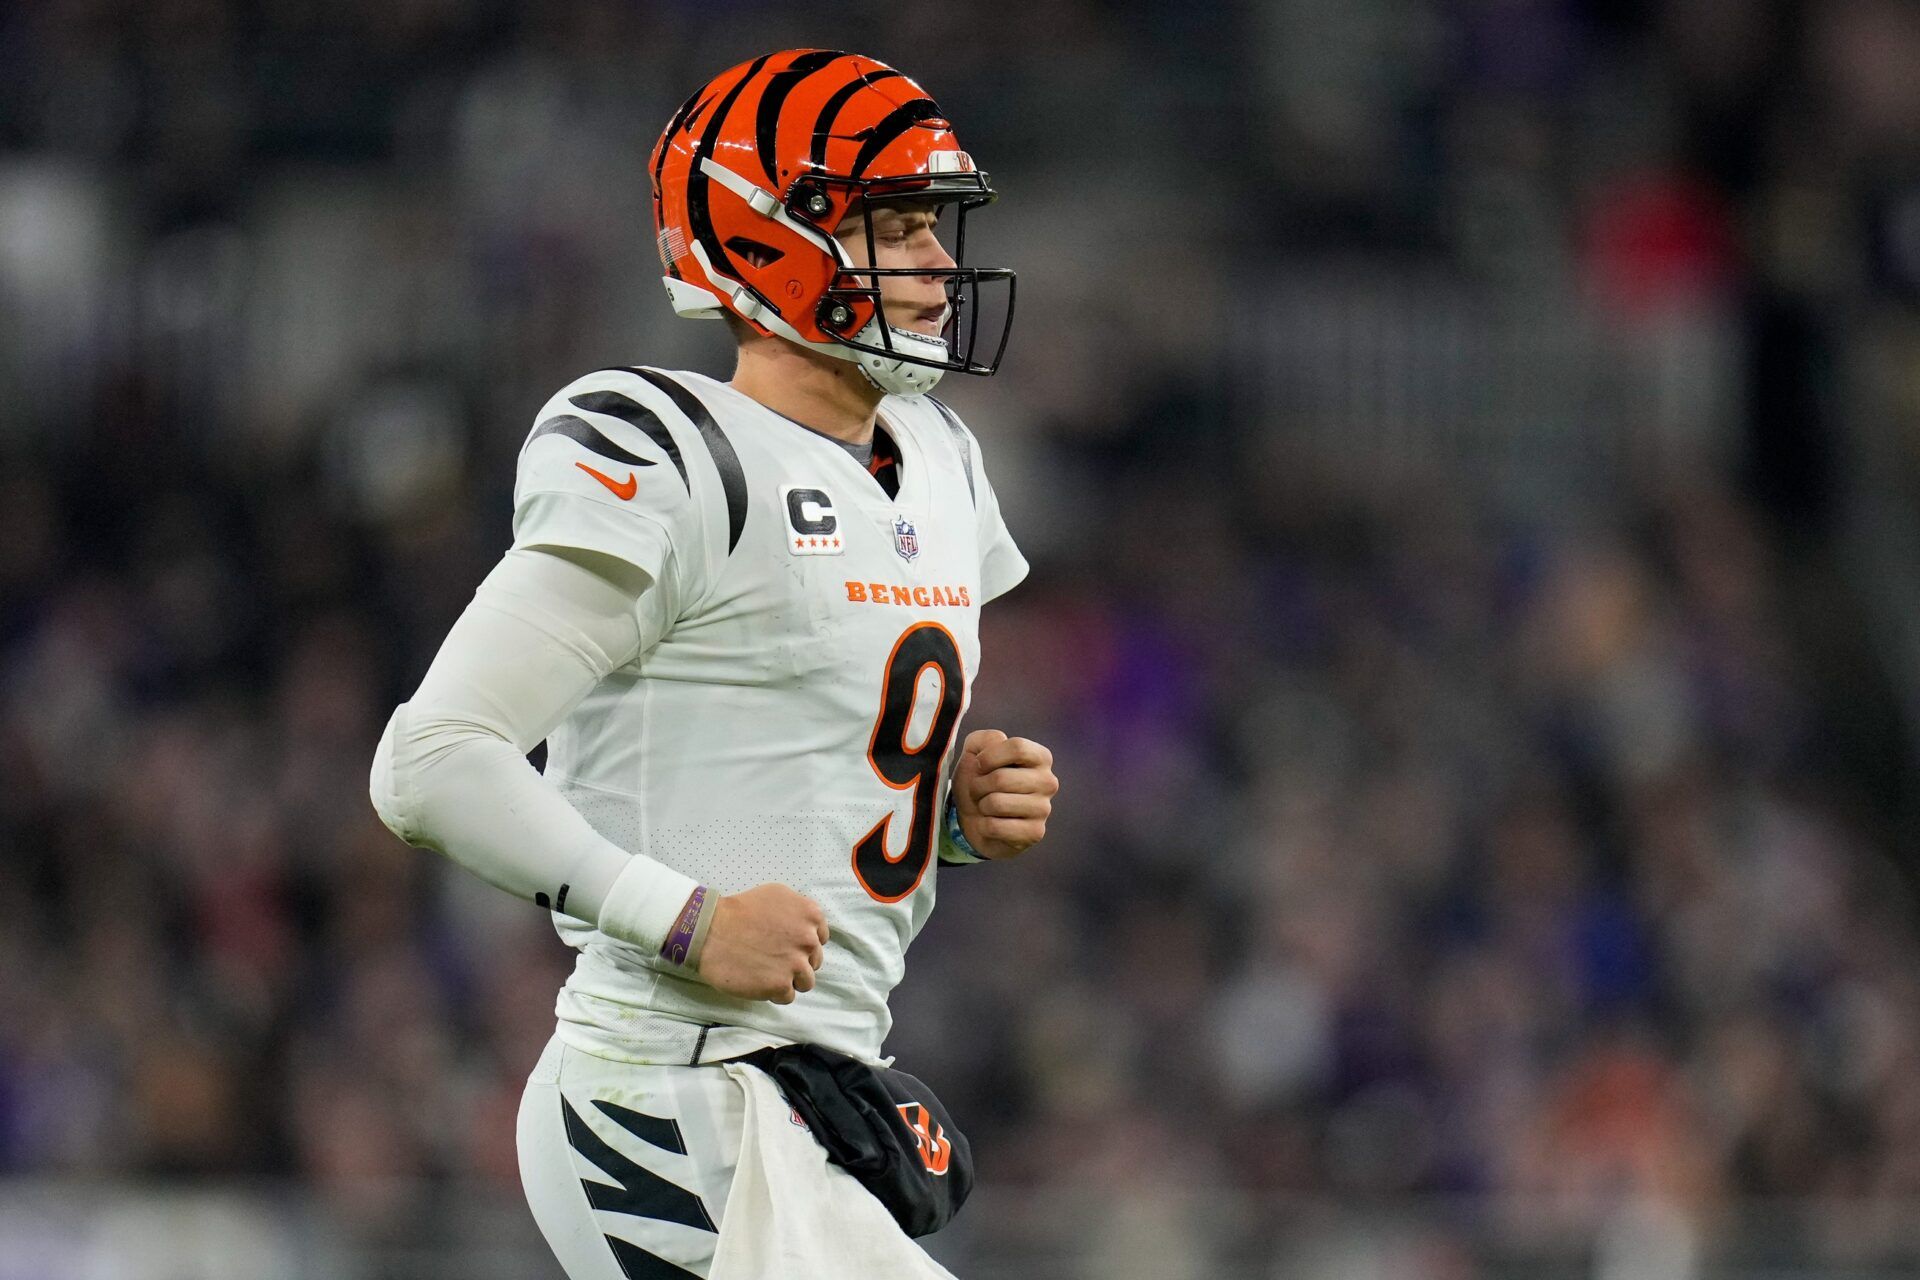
{"x": 1467, "y": 452}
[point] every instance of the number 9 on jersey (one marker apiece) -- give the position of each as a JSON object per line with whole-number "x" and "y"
{"x": 903, "y": 766}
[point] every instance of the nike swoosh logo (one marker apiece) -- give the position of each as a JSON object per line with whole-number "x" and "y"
{"x": 621, "y": 489}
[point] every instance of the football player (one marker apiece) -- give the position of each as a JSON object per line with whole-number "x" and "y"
{"x": 744, "y": 618}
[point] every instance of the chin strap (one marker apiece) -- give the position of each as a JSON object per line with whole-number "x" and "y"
{"x": 895, "y": 376}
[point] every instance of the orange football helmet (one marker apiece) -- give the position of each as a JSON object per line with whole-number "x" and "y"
{"x": 758, "y": 168}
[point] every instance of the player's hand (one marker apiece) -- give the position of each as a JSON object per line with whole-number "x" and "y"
{"x": 764, "y": 944}
{"x": 1004, "y": 789}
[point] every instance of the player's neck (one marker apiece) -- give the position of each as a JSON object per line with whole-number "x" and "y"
{"x": 831, "y": 396}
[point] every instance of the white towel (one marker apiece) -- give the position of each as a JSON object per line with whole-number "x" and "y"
{"x": 793, "y": 1216}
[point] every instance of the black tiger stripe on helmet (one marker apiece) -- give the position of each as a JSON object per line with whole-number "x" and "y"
{"x": 778, "y": 153}
{"x": 823, "y": 126}
{"x": 904, "y": 117}
{"x": 766, "y": 128}
{"x": 698, "y": 217}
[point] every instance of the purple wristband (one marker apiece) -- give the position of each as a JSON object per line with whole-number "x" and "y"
{"x": 680, "y": 938}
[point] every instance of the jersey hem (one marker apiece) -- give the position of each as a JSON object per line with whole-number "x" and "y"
{"x": 689, "y": 1045}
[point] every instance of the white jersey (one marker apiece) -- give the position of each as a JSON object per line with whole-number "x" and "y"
{"x": 809, "y": 647}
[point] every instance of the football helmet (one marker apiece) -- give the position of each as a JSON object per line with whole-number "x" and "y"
{"x": 757, "y": 169}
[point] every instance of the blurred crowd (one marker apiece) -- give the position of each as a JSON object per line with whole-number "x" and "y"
{"x": 1420, "y": 838}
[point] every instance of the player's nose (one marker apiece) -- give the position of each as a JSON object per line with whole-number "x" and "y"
{"x": 937, "y": 258}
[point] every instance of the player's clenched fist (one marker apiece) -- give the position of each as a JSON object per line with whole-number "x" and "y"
{"x": 764, "y": 944}
{"x": 1004, "y": 789}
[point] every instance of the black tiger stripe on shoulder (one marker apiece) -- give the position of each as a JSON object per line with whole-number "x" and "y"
{"x": 632, "y": 412}
{"x": 733, "y": 479}
{"x": 960, "y": 442}
{"x": 585, "y": 434}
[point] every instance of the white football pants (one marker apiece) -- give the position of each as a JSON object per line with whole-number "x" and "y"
{"x": 627, "y": 1167}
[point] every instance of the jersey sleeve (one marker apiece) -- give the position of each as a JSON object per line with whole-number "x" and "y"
{"x": 601, "y": 471}
{"x": 1001, "y": 565}
{"x": 451, "y": 772}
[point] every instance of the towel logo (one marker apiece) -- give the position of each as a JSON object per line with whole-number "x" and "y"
{"x": 793, "y": 1114}
{"x": 936, "y": 1150}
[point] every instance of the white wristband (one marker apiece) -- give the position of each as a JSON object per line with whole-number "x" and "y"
{"x": 644, "y": 903}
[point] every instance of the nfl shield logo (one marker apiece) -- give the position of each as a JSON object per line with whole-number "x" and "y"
{"x": 905, "y": 540}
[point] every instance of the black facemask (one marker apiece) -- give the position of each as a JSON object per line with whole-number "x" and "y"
{"x": 839, "y": 310}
